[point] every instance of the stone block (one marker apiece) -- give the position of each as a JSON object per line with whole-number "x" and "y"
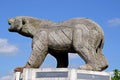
{"x": 60, "y": 74}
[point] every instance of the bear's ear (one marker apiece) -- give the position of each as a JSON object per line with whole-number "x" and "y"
{"x": 24, "y": 21}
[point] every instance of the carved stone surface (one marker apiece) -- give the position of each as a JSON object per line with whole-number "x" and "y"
{"x": 79, "y": 35}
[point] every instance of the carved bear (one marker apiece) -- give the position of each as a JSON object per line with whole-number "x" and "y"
{"x": 79, "y": 35}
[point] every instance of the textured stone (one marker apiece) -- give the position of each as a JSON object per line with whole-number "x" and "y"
{"x": 79, "y": 35}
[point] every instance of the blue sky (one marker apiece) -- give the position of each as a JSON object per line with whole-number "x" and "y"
{"x": 15, "y": 49}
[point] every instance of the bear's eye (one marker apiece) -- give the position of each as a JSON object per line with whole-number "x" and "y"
{"x": 23, "y": 22}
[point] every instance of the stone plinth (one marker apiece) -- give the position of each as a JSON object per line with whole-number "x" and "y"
{"x": 60, "y": 74}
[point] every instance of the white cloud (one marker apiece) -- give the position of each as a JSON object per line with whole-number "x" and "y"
{"x": 114, "y": 22}
{"x": 7, "y": 77}
{"x": 6, "y": 47}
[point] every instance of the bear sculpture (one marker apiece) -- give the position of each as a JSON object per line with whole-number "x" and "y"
{"x": 78, "y": 35}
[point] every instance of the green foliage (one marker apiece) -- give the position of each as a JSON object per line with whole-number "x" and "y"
{"x": 116, "y": 75}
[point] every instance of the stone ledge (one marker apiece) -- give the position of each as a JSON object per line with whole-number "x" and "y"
{"x": 60, "y": 74}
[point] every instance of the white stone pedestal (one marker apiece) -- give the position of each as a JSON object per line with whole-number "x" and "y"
{"x": 60, "y": 74}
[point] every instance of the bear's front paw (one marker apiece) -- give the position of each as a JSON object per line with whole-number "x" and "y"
{"x": 18, "y": 69}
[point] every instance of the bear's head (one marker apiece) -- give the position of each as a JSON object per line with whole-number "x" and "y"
{"x": 26, "y": 26}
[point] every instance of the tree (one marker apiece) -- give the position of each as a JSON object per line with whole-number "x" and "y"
{"x": 116, "y": 75}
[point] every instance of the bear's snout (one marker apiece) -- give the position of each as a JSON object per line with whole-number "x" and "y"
{"x": 10, "y": 22}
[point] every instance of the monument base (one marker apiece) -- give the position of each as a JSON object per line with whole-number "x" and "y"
{"x": 60, "y": 74}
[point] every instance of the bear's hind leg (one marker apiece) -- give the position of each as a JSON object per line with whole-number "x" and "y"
{"x": 62, "y": 59}
{"x": 85, "y": 50}
{"x": 87, "y": 56}
{"x": 93, "y": 60}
